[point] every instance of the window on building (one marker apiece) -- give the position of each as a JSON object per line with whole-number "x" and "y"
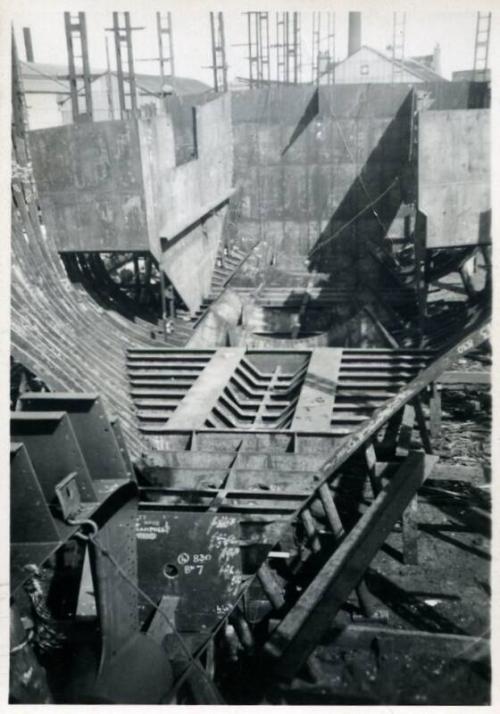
{"x": 365, "y": 69}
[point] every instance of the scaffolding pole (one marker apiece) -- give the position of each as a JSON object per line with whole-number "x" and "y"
{"x": 288, "y": 47}
{"x": 218, "y": 66}
{"x": 281, "y": 46}
{"x": 323, "y": 48}
{"x": 165, "y": 49}
{"x": 258, "y": 47}
{"x": 481, "y": 45}
{"x": 398, "y": 46}
{"x": 316, "y": 47}
{"x": 330, "y": 48}
{"x": 125, "y": 72}
{"x": 78, "y": 57}
{"x": 295, "y": 48}
{"x": 109, "y": 85}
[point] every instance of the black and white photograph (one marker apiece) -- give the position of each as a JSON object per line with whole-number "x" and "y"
{"x": 249, "y": 336}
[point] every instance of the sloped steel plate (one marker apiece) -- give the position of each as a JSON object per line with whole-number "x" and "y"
{"x": 192, "y": 556}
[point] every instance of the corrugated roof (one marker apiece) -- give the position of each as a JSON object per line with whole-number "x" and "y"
{"x": 427, "y": 60}
{"x": 420, "y": 70}
{"x": 45, "y": 86}
{"x": 181, "y": 85}
{"x": 39, "y": 69}
{"x": 41, "y": 78}
{"x": 411, "y": 65}
{"x": 50, "y": 79}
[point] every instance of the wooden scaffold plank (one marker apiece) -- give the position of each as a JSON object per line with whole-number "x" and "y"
{"x": 301, "y": 629}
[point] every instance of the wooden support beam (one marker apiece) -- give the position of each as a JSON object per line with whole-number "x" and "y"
{"x": 163, "y": 299}
{"x": 462, "y": 378}
{"x": 331, "y": 512}
{"x": 271, "y": 586}
{"x": 420, "y": 281}
{"x": 302, "y": 628}
{"x": 467, "y": 282}
{"x": 447, "y": 472}
{"x": 406, "y": 431}
{"x": 310, "y": 529}
{"x": 410, "y": 533}
{"x": 371, "y": 463}
{"x": 389, "y": 442}
{"x": 409, "y": 517}
{"x": 461, "y": 647}
{"x": 435, "y": 410}
{"x": 422, "y": 426}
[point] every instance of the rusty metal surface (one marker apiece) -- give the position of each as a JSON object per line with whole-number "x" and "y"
{"x": 115, "y": 186}
{"x": 454, "y": 177}
{"x": 349, "y": 99}
{"x": 90, "y": 185}
{"x": 304, "y": 173}
{"x": 194, "y": 557}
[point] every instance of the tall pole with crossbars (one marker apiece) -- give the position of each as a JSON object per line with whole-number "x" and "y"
{"x": 219, "y": 65}
{"x": 75, "y": 27}
{"x": 165, "y": 44}
{"x": 398, "y": 46}
{"x": 482, "y": 45}
{"x": 125, "y": 72}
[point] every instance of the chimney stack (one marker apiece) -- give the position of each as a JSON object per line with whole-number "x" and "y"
{"x": 28, "y": 45}
{"x": 354, "y": 33}
{"x": 436, "y": 59}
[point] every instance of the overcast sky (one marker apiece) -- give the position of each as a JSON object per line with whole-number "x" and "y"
{"x": 454, "y": 31}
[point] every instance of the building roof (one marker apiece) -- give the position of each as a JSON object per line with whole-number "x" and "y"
{"x": 43, "y": 78}
{"x": 40, "y": 69}
{"x": 427, "y": 74}
{"x": 153, "y": 84}
{"x": 52, "y": 79}
{"x": 426, "y": 60}
{"x": 411, "y": 65}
